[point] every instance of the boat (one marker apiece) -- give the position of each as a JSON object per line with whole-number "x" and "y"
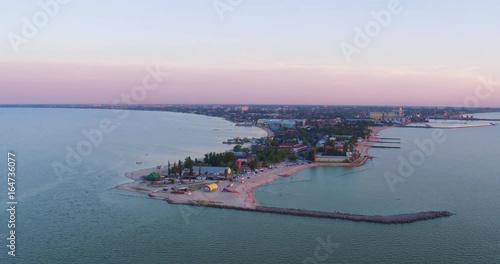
{"x": 138, "y": 162}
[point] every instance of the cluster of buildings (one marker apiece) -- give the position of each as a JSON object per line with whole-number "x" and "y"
{"x": 278, "y": 124}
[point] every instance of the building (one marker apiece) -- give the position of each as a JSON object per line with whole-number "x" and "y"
{"x": 286, "y": 123}
{"x": 331, "y": 159}
{"x": 383, "y": 115}
{"x": 389, "y": 117}
{"x": 214, "y": 170}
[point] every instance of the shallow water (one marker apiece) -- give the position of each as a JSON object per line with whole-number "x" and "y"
{"x": 77, "y": 219}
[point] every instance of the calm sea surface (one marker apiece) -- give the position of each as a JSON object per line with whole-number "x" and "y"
{"x": 74, "y": 217}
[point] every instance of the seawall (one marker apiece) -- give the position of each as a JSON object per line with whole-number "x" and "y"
{"x": 379, "y": 219}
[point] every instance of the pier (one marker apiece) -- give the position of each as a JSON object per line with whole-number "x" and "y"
{"x": 379, "y": 219}
{"x": 388, "y": 138}
{"x": 389, "y": 147}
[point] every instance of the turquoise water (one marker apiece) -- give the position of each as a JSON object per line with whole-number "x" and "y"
{"x": 76, "y": 218}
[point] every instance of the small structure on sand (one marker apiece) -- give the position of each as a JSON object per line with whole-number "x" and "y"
{"x": 212, "y": 187}
{"x": 153, "y": 176}
{"x": 229, "y": 191}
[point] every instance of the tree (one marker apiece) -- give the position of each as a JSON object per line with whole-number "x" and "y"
{"x": 237, "y": 148}
{"x": 174, "y": 169}
{"x": 253, "y": 164}
{"x": 311, "y": 155}
{"x": 179, "y": 167}
{"x": 234, "y": 166}
{"x": 292, "y": 157}
{"x": 188, "y": 163}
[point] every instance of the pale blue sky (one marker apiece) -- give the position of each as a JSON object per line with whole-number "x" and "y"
{"x": 449, "y": 36}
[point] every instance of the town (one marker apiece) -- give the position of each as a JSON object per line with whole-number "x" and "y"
{"x": 296, "y": 135}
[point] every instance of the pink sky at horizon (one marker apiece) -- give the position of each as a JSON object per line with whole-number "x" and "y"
{"x": 87, "y": 83}
{"x": 261, "y": 52}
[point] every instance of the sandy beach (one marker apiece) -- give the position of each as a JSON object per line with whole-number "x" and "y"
{"x": 243, "y": 193}
{"x": 367, "y": 144}
{"x": 269, "y": 132}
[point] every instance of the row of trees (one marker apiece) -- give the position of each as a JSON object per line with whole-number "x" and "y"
{"x": 271, "y": 155}
{"x": 225, "y": 159}
{"x": 219, "y": 159}
{"x": 265, "y": 156}
{"x": 178, "y": 168}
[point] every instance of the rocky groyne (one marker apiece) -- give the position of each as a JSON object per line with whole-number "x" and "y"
{"x": 380, "y": 219}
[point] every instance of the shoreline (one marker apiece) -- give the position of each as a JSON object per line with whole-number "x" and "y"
{"x": 269, "y": 132}
{"x": 243, "y": 194}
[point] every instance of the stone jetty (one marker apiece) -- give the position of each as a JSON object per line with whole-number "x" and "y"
{"x": 379, "y": 219}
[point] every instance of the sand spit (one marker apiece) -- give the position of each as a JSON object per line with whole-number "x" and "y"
{"x": 242, "y": 196}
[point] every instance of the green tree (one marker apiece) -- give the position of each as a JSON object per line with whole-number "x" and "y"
{"x": 311, "y": 155}
{"x": 179, "y": 167}
{"x": 188, "y": 163}
{"x": 253, "y": 164}
{"x": 174, "y": 169}
{"x": 237, "y": 148}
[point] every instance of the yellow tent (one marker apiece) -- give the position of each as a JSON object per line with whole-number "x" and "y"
{"x": 210, "y": 187}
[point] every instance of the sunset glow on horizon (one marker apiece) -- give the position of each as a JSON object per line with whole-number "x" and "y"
{"x": 257, "y": 52}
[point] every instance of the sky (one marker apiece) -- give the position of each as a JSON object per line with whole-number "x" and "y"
{"x": 366, "y": 52}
